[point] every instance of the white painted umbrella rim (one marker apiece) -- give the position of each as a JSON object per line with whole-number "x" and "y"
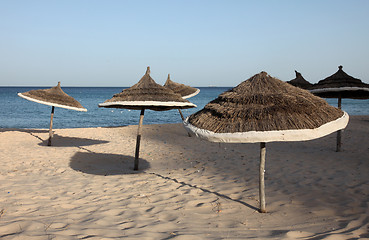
{"x": 192, "y": 94}
{"x": 339, "y": 89}
{"x": 269, "y": 136}
{"x": 52, "y": 104}
{"x": 147, "y": 104}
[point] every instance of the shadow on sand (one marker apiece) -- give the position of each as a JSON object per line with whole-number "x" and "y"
{"x": 60, "y": 141}
{"x": 32, "y": 132}
{"x": 105, "y": 164}
{"x": 206, "y": 190}
{"x": 24, "y": 130}
{"x": 57, "y": 140}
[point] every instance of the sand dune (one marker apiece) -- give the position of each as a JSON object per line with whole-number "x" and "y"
{"x": 84, "y": 186}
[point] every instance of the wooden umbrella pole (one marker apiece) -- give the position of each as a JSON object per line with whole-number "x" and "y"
{"x": 261, "y": 178}
{"x": 339, "y": 132}
{"x": 180, "y": 112}
{"x": 338, "y": 147}
{"x": 51, "y": 126}
{"x": 138, "y": 139}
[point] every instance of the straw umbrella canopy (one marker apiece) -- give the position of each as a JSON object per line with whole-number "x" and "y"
{"x": 183, "y": 90}
{"x": 300, "y": 81}
{"x": 146, "y": 94}
{"x": 264, "y": 109}
{"x": 54, "y": 97}
{"x": 341, "y": 85}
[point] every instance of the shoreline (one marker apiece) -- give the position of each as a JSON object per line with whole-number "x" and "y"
{"x": 357, "y": 117}
{"x": 85, "y": 187}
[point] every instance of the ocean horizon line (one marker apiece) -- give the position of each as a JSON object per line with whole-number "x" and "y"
{"x": 17, "y": 112}
{"x": 42, "y": 86}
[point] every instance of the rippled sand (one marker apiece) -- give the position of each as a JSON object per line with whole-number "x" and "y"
{"x": 84, "y": 186}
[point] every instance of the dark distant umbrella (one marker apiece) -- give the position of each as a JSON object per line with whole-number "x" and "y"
{"x": 183, "y": 90}
{"x": 341, "y": 85}
{"x": 265, "y": 109}
{"x": 300, "y": 81}
{"x": 54, "y": 97}
{"x": 146, "y": 94}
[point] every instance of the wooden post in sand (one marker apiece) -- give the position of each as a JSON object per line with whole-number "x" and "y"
{"x": 339, "y": 132}
{"x": 51, "y": 127}
{"x": 180, "y": 112}
{"x": 261, "y": 178}
{"x": 138, "y": 139}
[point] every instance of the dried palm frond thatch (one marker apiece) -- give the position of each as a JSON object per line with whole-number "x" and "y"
{"x": 300, "y": 81}
{"x": 341, "y": 85}
{"x": 263, "y": 103}
{"x": 183, "y": 90}
{"x": 54, "y": 97}
{"x": 146, "y": 94}
{"x": 149, "y": 95}
{"x": 265, "y": 109}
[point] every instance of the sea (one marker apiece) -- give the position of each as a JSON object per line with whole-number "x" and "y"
{"x": 16, "y": 112}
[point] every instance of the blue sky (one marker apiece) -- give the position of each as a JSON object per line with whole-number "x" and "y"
{"x": 200, "y": 42}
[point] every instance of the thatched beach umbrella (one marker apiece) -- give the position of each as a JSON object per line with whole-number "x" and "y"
{"x": 146, "y": 94}
{"x": 183, "y": 90}
{"x": 341, "y": 85}
{"x": 265, "y": 109}
{"x": 54, "y": 97}
{"x": 300, "y": 81}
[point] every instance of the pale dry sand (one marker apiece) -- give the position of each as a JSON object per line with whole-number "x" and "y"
{"x": 84, "y": 187}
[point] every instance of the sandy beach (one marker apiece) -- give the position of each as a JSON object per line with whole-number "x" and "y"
{"x": 84, "y": 186}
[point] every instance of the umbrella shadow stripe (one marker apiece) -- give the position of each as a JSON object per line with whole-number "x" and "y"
{"x": 342, "y": 230}
{"x": 29, "y": 131}
{"x": 85, "y": 149}
{"x": 24, "y": 130}
{"x": 205, "y": 190}
{"x": 33, "y": 135}
{"x": 61, "y": 141}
